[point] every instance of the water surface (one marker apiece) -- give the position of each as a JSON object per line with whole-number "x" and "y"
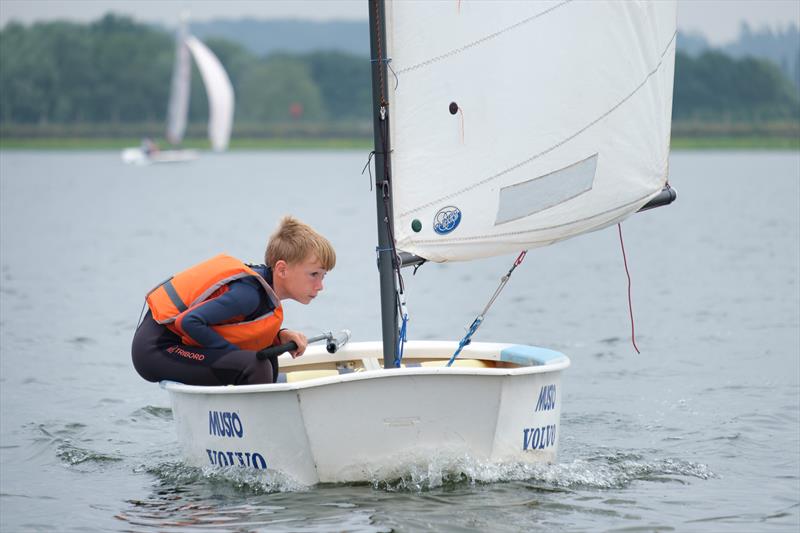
{"x": 700, "y": 432}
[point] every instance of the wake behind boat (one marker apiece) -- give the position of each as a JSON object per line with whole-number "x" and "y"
{"x": 489, "y": 139}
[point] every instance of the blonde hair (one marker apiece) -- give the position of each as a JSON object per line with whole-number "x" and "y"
{"x": 294, "y": 241}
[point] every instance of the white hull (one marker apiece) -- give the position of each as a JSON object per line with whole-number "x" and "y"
{"x": 137, "y": 156}
{"x": 499, "y": 403}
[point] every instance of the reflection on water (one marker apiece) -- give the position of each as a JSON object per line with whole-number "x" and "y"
{"x": 176, "y": 508}
{"x": 188, "y": 499}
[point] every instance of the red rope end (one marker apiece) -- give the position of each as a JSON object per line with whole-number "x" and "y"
{"x": 630, "y": 302}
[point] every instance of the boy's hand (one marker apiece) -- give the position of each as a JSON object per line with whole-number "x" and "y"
{"x": 299, "y": 339}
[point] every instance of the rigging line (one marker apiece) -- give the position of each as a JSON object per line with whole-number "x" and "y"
{"x": 388, "y": 62}
{"x": 387, "y": 179}
{"x": 479, "y": 319}
{"x": 382, "y": 120}
{"x": 503, "y": 281}
{"x": 482, "y": 40}
{"x": 467, "y": 339}
{"x": 630, "y": 302}
{"x": 396, "y": 261}
{"x": 401, "y": 341}
{"x": 141, "y": 314}
{"x": 402, "y": 336}
{"x": 367, "y": 167}
{"x": 396, "y": 79}
{"x": 386, "y": 188}
{"x": 551, "y": 148}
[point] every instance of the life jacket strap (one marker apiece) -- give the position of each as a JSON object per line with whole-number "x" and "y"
{"x": 174, "y": 296}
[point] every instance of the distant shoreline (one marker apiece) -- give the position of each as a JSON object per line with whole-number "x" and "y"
{"x": 85, "y": 143}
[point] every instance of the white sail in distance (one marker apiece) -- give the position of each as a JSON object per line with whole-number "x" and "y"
{"x": 219, "y": 91}
{"x": 178, "y": 108}
{"x": 519, "y": 124}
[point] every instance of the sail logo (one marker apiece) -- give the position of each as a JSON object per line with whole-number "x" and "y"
{"x": 446, "y": 219}
{"x": 547, "y": 398}
{"x": 539, "y": 438}
{"x": 225, "y": 424}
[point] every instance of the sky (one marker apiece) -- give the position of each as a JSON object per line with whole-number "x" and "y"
{"x": 718, "y": 20}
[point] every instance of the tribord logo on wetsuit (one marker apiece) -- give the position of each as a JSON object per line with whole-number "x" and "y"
{"x": 185, "y": 353}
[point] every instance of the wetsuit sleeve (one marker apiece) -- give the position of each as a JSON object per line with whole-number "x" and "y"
{"x": 239, "y": 301}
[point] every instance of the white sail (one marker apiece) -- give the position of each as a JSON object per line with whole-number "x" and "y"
{"x": 178, "y": 108}
{"x": 562, "y": 123}
{"x": 219, "y": 92}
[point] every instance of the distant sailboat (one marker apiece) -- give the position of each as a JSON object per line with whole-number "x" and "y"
{"x": 219, "y": 91}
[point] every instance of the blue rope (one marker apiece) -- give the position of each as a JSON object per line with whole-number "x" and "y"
{"x": 467, "y": 339}
{"x": 401, "y": 341}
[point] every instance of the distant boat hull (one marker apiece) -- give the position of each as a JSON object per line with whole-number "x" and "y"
{"x": 137, "y": 156}
{"x": 343, "y": 418}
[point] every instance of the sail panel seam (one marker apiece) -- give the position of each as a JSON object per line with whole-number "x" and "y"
{"x": 482, "y": 40}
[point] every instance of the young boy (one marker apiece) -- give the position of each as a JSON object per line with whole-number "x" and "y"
{"x": 205, "y": 324}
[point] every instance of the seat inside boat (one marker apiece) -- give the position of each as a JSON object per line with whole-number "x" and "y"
{"x": 323, "y": 370}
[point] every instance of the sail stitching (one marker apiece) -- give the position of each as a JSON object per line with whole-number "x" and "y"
{"x": 550, "y": 149}
{"x": 481, "y": 40}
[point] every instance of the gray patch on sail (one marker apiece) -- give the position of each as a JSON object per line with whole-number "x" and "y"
{"x": 542, "y": 192}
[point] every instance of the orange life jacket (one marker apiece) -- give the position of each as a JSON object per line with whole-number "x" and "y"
{"x": 173, "y": 299}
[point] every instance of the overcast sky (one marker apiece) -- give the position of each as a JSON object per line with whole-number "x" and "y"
{"x": 718, "y": 20}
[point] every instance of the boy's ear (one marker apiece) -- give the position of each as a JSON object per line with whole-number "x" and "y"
{"x": 280, "y": 267}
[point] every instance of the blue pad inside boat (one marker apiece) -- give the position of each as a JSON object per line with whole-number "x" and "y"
{"x": 521, "y": 354}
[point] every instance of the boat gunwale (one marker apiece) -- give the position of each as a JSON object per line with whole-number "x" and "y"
{"x": 556, "y": 365}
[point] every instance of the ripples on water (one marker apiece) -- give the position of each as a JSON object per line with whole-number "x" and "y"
{"x": 701, "y": 432}
{"x": 438, "y": 491}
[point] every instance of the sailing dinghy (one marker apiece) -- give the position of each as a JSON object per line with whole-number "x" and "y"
{"x": 219, "y": 92}
{"x": 499, "y": 127}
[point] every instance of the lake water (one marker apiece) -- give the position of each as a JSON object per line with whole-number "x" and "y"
{"x": 700, "y": 432}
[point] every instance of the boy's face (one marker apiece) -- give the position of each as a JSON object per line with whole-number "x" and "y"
{"x": 300, "y": 281}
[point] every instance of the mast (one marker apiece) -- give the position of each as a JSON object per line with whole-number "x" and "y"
{"x": 178, "y": 107}
{"x": 383, "y": 188}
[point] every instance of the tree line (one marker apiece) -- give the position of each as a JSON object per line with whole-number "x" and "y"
{"x": 117, "y": 71}
{"x": 715, "y": 86}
